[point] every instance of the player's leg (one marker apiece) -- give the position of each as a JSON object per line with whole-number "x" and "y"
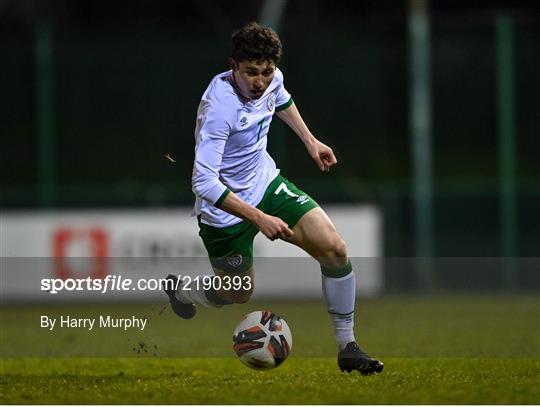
{"x": 232, "y": 288}
{"x": 235, "y": 287}
{"x": 317, "y": 235}
{"x": 231, "y": 255}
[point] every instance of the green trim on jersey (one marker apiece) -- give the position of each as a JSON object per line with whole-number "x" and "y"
{"x": 222, "y": 197}
{"x": 284, "y": 106}
{"x": 231, "y": 248}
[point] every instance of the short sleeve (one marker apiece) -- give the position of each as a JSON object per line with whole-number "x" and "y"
{"x": 283, "y": 97}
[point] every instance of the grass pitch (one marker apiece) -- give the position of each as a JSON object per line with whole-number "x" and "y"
{"x": 452, "y": 350}
{"x": 298, "y": 381}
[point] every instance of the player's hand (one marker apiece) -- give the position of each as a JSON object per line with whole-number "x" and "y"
{"x": 322, "y": 155}
{"x": 273, "y": 228}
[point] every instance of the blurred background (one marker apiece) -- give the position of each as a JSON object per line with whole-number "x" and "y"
{"x": 431, "y": 108}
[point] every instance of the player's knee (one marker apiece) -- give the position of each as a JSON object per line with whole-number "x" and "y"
{"x": 339, "y": 248}
{"x": 335, "y": 248}
{"x": 334, "y": 254}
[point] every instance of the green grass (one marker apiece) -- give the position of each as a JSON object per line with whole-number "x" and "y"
{"x": 298, "y": 381}
{"x": 445, "y": 350}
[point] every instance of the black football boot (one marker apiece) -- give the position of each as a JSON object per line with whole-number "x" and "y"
{"x": 353, "y": 358}
{"x": 185, "y": 311}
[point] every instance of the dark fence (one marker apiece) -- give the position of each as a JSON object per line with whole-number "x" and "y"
{"x": 125, "y": 89}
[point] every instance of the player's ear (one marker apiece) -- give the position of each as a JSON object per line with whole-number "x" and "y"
{"x": 233, "y": 64}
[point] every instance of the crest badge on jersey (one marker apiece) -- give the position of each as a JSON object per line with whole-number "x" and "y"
{"x": 271, "y": 102}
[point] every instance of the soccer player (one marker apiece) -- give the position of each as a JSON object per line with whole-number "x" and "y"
{"x": 240, "y": 192}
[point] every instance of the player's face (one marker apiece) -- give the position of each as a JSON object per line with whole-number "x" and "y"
{"x": 252, "y": 78}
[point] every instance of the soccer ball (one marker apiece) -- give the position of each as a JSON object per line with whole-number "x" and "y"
{"x": 262, "y": 340}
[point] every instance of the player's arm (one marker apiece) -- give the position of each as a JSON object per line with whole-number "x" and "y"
{"x": 320, "y": 153}
{"x": 270, "y": 226}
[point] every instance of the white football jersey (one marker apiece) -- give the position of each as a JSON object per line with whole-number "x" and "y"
{"x": 230, "y": 146}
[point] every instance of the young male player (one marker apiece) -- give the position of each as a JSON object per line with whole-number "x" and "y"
{"x": 239, "y": 191}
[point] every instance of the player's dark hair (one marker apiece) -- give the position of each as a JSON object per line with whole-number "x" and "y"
{"x": 254, "y": 42}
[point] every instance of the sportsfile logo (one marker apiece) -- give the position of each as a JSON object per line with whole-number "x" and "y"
{"x": 120, "y": 283}
{"x": 102, "y": 285}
